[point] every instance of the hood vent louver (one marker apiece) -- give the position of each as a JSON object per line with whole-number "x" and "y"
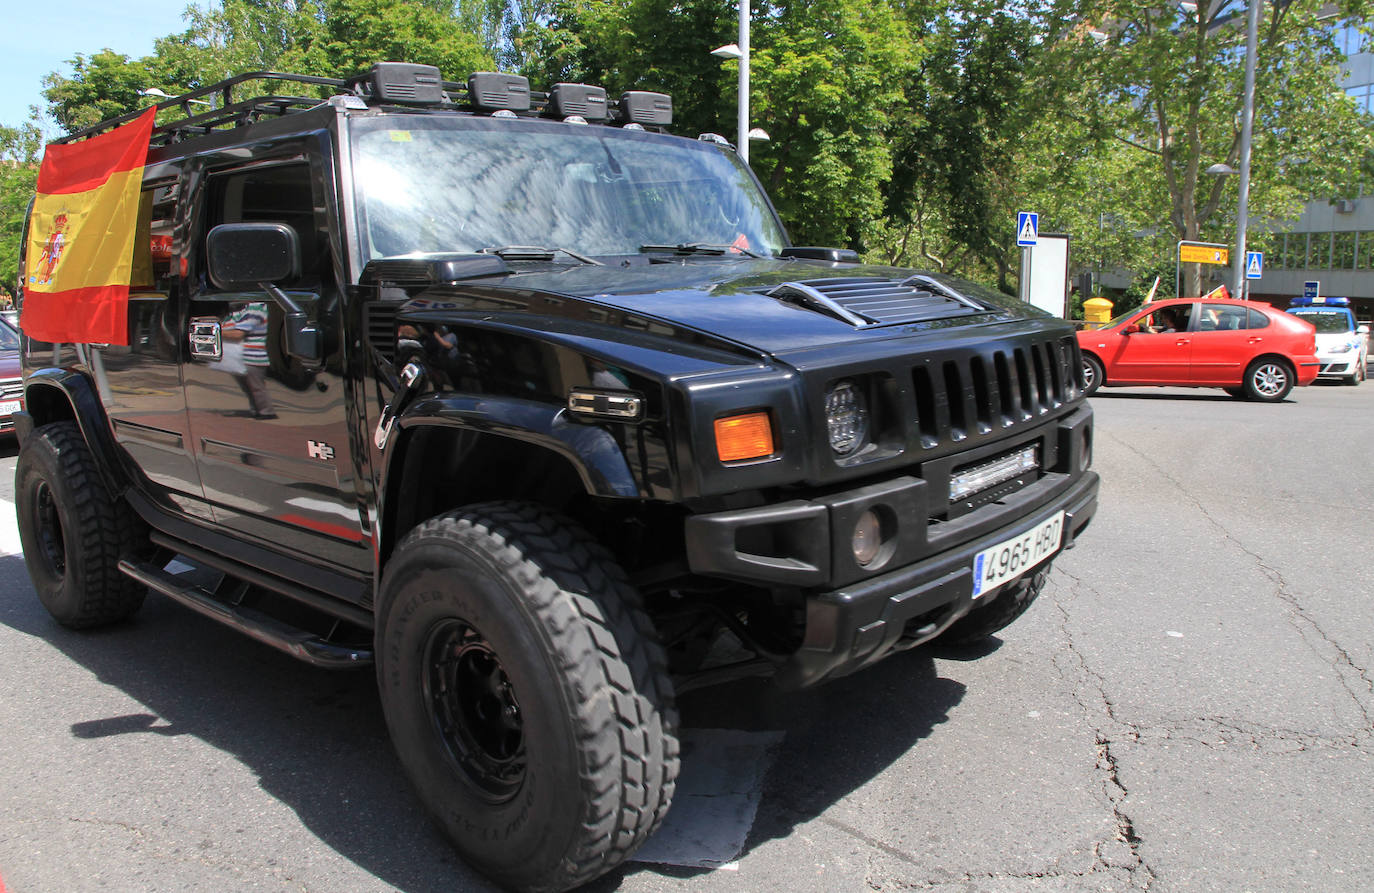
{"x": 871, "y": 301}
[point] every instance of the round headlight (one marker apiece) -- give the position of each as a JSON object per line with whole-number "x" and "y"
{"x": 846, "y": 418}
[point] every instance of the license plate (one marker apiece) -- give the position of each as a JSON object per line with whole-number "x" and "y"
{"x": 9, "y": 407}
{"x": 1013, "y": 557}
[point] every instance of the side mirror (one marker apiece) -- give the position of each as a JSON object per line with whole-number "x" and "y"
{"x": 1132, "y": 329}
{"x": 244, "y": 255}
{"x": 259, "y": 255}
{"x": 1362, "y": 330}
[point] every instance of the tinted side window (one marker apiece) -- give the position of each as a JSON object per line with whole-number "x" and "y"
{"x": 277, "y": 194}
{"x": 1224, "y": 318}
{"x": 1258, "y": 320}
{"x": 152, "y": 261}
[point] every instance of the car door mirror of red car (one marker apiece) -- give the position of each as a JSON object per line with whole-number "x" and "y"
{"x": 1131, "y": 329}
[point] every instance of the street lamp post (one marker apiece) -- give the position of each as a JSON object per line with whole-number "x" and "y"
{"x": 740, "y": 51}
{"x": 1246, "y": 128}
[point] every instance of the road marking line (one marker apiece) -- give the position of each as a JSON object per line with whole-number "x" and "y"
{"x": 9, "y": 530}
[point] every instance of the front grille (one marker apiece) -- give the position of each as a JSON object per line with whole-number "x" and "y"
{"x": 982, "y": 393}
{"x": 11, "y": 389}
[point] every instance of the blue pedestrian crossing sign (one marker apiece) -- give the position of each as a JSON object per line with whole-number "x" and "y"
{"x": 1254, "y": 264}
{"x": 1027, "y": 228}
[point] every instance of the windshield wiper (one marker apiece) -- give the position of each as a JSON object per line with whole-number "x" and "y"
{"x": 534, "y": 252}
{"x": 698, "y": 248}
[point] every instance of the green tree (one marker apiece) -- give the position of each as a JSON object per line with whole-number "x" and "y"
{"x": 353, "y": 34}
{"x": 20, "y": 148}
{"x": 1173, "y": 81}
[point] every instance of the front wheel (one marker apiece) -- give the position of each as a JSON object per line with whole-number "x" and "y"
{"x": 1093, "y": 375}
{"x": 1268, "y": 380}
{"x": 526, "y": 694}
{"x": 1005, "y": 607}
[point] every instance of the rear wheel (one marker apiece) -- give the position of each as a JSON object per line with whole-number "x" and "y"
{"x": 1093, "y": 374}
{"x": 73, "y": 531}
{"x": 526, "y": 694}
{"x": 1268, "y": 380}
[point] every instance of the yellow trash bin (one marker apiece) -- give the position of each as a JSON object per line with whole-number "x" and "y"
{"x": 1097, "y": 311}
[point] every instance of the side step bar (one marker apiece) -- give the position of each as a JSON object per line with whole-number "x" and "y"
{"x": 295, "y": 642}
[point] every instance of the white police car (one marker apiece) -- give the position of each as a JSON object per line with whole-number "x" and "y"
{"x": 1342, "y": 346}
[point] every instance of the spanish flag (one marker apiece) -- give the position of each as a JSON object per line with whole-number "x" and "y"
{"x": 82, "y": 232}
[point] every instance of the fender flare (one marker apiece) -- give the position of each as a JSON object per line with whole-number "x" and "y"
{"x": 595, "y": 455}
{"x": 79, "y": 393}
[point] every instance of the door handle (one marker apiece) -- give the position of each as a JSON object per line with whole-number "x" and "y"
{"x": 1183, "y": 342}
{"x": 205, "y": 338}
{"x": 1255, "y": 339}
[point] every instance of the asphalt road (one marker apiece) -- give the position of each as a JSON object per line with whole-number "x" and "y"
{"x": 1187, "y": 707}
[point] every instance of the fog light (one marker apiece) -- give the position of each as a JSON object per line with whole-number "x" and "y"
{"x": 868, "y": 538}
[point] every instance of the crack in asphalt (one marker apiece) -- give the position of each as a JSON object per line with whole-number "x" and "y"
{"x": 1113, "y": 731}
{"x": 1298, "y": 616}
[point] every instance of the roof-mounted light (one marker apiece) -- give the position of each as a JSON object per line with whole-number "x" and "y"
{"x": 578, "y": 100}
{"x": 642, "y": 107}
{"x": 401, "y": 83}
{"x": 493, "y": 91}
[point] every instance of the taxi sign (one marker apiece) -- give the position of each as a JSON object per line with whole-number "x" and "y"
{"x": 1203, "y": 254}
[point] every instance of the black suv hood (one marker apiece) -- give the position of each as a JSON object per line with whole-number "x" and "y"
{"x": 727, "y": 298}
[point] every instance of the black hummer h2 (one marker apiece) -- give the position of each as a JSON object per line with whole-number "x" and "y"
{"x": 534, "y": 406}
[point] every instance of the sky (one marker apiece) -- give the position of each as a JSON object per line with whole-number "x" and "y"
{"x": 39, "y": 37}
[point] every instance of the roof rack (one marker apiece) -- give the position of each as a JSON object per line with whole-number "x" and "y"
{"x": 228, "y": 112}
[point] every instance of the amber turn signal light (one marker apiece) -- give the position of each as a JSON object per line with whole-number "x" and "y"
{"x": 746, "y": 436}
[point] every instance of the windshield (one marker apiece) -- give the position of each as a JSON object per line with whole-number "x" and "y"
{"x": 466, "y": 184}
{"x": 1326, "y": 321}
{"x": 9, "y": 338}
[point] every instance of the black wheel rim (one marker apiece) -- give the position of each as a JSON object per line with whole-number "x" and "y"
{"x": 474, "y": 709}
{"x": 51, "y": 544}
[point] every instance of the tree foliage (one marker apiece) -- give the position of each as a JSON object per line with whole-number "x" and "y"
{"x": 20, "y": 148}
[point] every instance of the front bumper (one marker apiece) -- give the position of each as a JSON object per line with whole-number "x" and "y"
{"x": 923, "y": 580}
{"x": 853, "y": 627}
{"x": 1340, "y": 365}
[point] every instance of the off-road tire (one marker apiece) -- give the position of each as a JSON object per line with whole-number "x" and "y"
{"x": 996, "y": 615}
{"x": 1094, "y": 374}
{"x": 73, "y": 531}
{"x": 580, "y": 767}
{"x": 1268, "y": 380}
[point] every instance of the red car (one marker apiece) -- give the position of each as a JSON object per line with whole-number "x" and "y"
{"x": 11, "y": 385}
{"x": 1246, "y": 347}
